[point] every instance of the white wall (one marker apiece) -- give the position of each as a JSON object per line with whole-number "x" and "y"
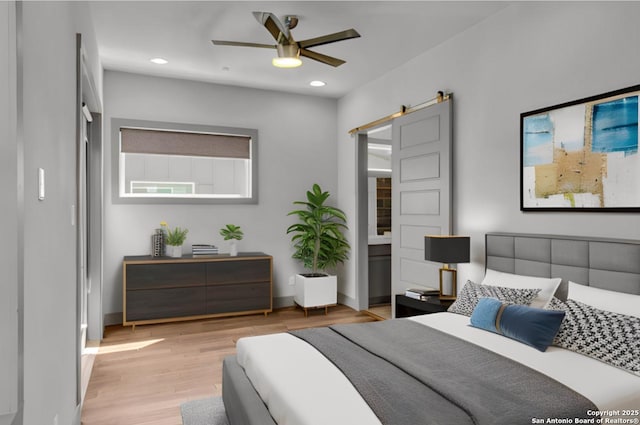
{"x": 9, "y": 214}
{"x": 49, "y": 135}
{"x": 297, "y": 147}
{"x": 528, "y": 56}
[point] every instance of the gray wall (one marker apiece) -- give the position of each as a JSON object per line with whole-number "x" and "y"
{"x": 9, "y": 216}
{"x": 528, "y": 56}
{"x": 45, "y": 127}
{"x": 297, "y": 148}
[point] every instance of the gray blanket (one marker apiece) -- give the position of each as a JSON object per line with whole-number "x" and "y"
{"x": 411, "y": 374}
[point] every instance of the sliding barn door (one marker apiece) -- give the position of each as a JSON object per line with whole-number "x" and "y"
{"x": 421, "y": 193}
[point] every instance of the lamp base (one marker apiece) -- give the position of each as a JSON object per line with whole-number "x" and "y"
{"x": 448, "y": 289}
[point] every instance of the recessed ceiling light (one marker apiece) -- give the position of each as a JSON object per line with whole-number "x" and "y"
{"x": 159, "y": 61}
{"x": 317, "y": 83}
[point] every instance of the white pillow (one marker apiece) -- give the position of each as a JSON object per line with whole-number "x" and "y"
{"x": 616, "y": 302}
{"x": 547, "y": 286}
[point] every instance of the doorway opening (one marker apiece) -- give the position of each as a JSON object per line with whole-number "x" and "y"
{"x": 421, "y": 167}
{"x": 375, "y": 210}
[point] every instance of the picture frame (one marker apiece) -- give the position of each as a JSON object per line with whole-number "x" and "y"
{"x": 582, "y": 155}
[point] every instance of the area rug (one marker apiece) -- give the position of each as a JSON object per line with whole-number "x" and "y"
{"x": 208, "y": 411}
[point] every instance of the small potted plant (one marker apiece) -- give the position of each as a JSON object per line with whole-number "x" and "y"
{"x": 232, "y": 233}
{"x": 320, "y": 244}
{"x": 174, "y": 239}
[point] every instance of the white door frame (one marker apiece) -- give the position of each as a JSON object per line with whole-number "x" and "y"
{"x": 362, "y": 231}
{"x": 88, "y": 215}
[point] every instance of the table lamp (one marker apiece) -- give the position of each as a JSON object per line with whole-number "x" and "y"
{"x": 447, "y": 250}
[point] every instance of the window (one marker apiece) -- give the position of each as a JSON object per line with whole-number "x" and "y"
{"x": 158, "y": 162}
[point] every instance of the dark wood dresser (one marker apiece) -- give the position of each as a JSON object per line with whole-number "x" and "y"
{"x": 165, "y": 289}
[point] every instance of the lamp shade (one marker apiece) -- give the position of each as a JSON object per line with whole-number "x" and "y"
{"x": 447, "y": 249}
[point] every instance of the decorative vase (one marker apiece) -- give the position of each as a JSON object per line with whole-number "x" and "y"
{"x": 157, "y": 243}
{"x": 174, "y": 251}
{"x": 233, "y": 248}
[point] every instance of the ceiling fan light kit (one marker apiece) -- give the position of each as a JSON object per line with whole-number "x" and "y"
{"x": 288, "y": 56}
{"x": 286, "y": 62}
{"x": 289, "y": 50}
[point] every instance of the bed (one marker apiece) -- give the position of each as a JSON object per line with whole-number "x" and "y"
{"x": 437, "y": 368}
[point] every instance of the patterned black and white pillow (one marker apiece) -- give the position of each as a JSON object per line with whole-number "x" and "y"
{"x": 610, "y": 337}
{"x": 472, "y": 292}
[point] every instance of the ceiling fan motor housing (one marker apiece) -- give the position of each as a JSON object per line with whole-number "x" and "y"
{"x": 288, "y": 50}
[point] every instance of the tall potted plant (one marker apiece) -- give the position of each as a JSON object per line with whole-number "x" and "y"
{"x": 320, "y": 244}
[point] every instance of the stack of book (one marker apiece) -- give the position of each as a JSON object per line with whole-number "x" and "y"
{"x": 203, "y": 249}
{"x": 421, "y": 294}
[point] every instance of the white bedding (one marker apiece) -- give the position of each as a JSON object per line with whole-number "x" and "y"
{"x": 301, "y": 387}
{"x": 607, "y": 387}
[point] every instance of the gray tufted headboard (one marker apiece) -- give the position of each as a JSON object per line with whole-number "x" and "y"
{"x": 612, "y": 264}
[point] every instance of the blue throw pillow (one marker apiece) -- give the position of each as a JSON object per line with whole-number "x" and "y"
{"x": 484, "y": 314}
{"x": 532, "y": 326}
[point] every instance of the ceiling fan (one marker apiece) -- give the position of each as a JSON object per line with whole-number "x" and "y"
{"x": 289, "y": 50}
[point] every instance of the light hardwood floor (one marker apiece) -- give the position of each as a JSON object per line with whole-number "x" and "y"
{"x": 142, "y": 376}
{"x": 380, "y": 312}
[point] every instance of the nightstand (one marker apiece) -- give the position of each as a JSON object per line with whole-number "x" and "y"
{"x": 407, "y": 307}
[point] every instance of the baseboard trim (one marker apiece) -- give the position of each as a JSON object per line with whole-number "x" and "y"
{"x": 77, "y": 415}
{"x": 111, "y": 319}
{"x": 348, "y": 301}
{"x": 283, "y": 302}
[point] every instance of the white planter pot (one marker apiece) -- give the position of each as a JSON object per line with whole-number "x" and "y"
{"x": 174, "y": 251}
{"x": 233, "y": 248}
{"x": 316, "y": 291}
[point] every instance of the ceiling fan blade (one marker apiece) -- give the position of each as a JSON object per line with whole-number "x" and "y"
{"x": 321, "y": 58}
{"x": 242, "y": 44}
{"x": 273, "y": 25}
{"x": 329, "y": 38}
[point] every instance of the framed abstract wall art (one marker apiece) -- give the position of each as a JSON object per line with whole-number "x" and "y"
{"x": 582, "y": 155}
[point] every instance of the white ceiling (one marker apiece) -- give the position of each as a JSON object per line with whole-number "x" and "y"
{"x": 129, "y": 33}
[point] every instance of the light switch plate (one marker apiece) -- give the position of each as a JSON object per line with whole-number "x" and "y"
{"x": 41, "y": 184}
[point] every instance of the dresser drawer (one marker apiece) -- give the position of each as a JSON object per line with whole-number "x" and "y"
{"x": 165, "y": 303}
{"x": 238, "y": 297}
{"x": 170, "y": 275}
{"x": 224, "y": 272}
